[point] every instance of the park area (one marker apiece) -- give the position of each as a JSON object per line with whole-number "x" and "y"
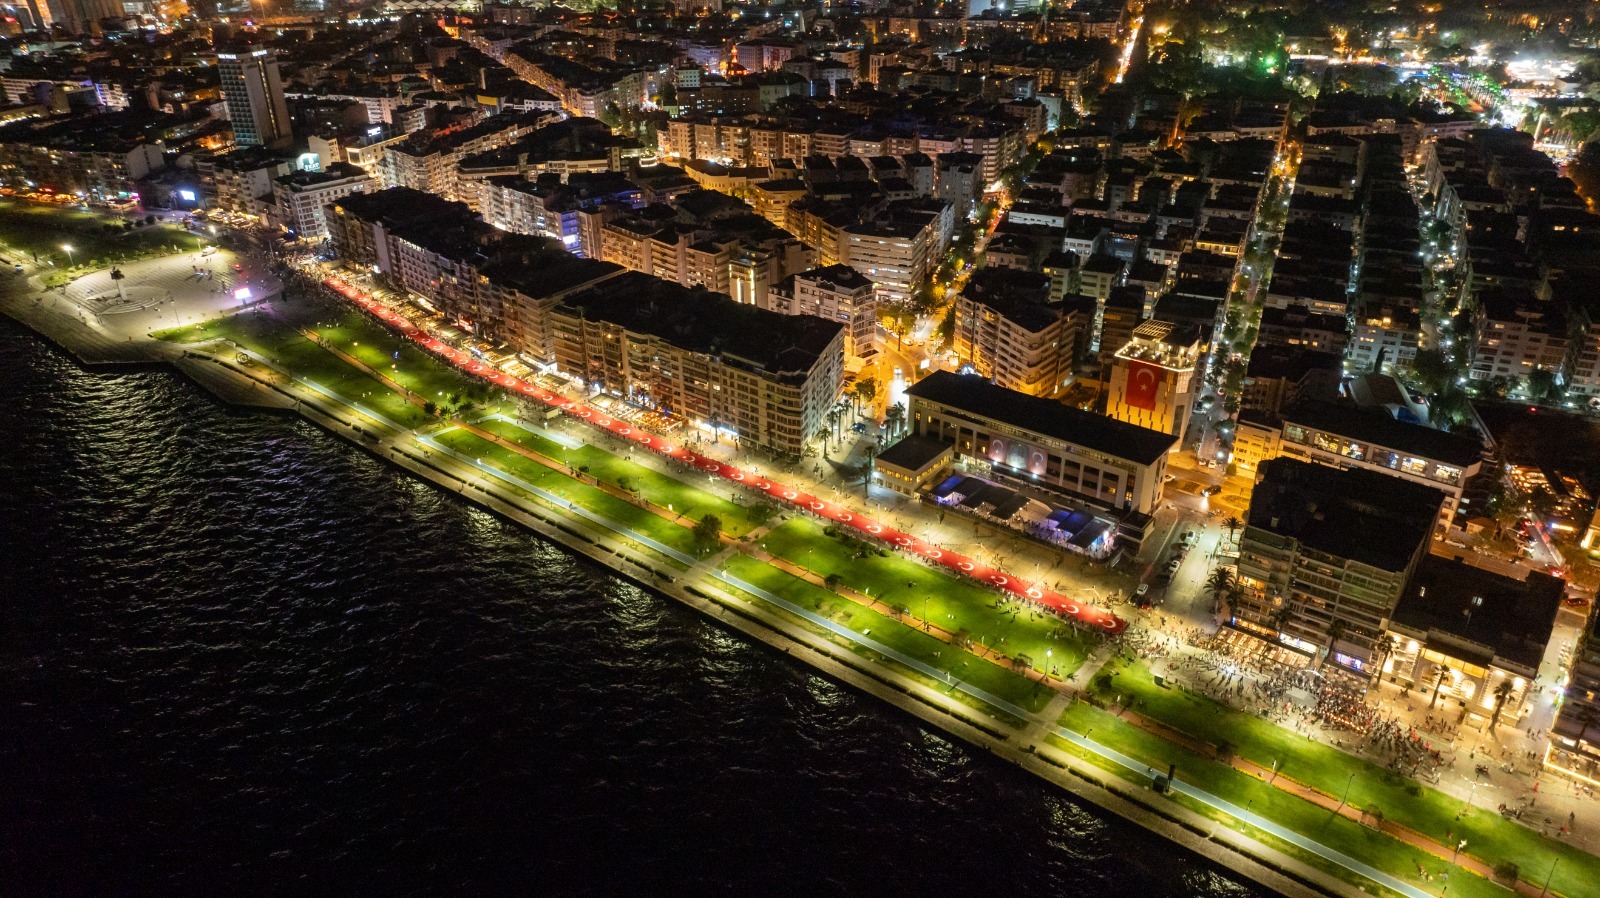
{"x": 989, "y": 676}
{"x": 621, "y": 511}
{"x": 965, "y": 609}
{"x": 277, "y": 341}
{"x": 352, "y": 333}
{"x": 1218, "y": 731}
{"x": 658, "y": 489}
{"x": 37, "y": 232}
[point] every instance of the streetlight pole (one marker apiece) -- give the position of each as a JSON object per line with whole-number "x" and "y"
{"x": 1468, "y": 803}
{"x": 1347, "y": 783}
{"x": 68, "y": 248}
{"x": 1546, "y": 889}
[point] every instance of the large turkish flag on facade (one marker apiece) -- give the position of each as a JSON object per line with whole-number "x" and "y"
{"x": 1143, "y": 379}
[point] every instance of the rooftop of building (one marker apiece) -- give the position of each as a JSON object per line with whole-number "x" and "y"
{"x": 539, "y": 267}
{"x": 401, "y": 206}
{"x": 842, "y": 276}
{"x": 914, "y": 452}
{"x": 785, "y": 346}
{"x": 1511, "y": 619}
{"x": 1046, "y": 417}
{"x": 1291, "y": 362}
{"x": 1376, "y": 428}
{"x": 1021, "y": 296}
{"x": 338, "y": 171}
{"x": 1363, "y": 516}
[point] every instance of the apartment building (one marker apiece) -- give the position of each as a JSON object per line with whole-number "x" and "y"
{"x": 1152, "y": 377}
{"x": 64, "y": 156}
{"x": 1382, "y": 339}
{"x": 1466, "y": 632}
{"x": 1575, "y": 735}
{"x": 496, "y": 285}
{"x": 1583, "y": 360}
{"x": 752, "y": 375}
{"x": 428, "y": 162}
{"x": 241, "y": 182}
{"x": 1515, "y": 334}
{"x": 301, "y": 197}
{"x": 1342, "y": 436}
{"x": 898, "y": 258}
{"x": 1325, "y": 556}
{"x": 836, "y": 293}
{"x": 1008, "y": 329}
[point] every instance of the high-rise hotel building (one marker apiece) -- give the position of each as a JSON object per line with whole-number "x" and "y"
{"x": 253, "y": 92}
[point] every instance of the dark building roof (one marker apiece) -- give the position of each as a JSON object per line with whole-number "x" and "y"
{"x": 1044, "y": 416}
{"x": 697, "y": 320}
{"x": 1023, "y": 297}
{"x": 401, "y": 206}
{"x": 1511, "y": 618}
{"x": 1291, "y": 362}
{"x": 842, "y": 276}
{"x": 914, "y": 452}
{"x": 1382, "y": 430}
{"x": 1360, "y": 515}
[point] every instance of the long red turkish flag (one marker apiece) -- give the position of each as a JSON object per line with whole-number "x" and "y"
{"x": 1143, "y": 379}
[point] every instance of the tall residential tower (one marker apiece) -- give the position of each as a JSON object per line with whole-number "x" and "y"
{"x": 253, "y": 90}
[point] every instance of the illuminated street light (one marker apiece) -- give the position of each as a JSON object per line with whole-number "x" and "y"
{"x": 68, "y": 248}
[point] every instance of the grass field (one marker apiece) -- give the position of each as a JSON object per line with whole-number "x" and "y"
{"x": 358, "y": 336}
{"x": 990, "y": 677}
{"x": 1341, "y": 834}
{"x": 271, "y": 338}
{"x": 599, "y": 501}
{"x": 654, "y": 486}
{"x": 1425, "y": 810}
{"x": 40, "y": 230}
{"x": 945, "y": 600}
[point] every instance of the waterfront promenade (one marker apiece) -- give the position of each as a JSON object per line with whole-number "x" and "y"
{"x": 1030, "y": 738}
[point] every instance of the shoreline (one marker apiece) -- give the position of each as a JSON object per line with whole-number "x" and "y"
{"x": 233, "y": 387}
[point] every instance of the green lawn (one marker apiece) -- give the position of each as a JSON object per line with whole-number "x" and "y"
{"x": 1339, "y": 833}
{"x": 265, "y": 334}
{"x": 599, "y": 501}
{"x": 945, "y": 600}
{"x": 358, "y": 336}
{"x": 654, "y": 486}
{"x": 990, "y": 677}
{"x": 1428, "y": 811}
{"x": 41, "y": 229}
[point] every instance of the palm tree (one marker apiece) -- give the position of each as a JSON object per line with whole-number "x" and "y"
{"x": 1220, "y": 580}
{"x": 895, "y": 416}
{"x": 1233, "y": 524}
{"x": 1502, "y": 692}
{"x": 865, "y": 391}
{"x": 833, "y": 427}
{"x": 116, "y": 278}
{"x": 1386, "y": 647}
{"x": 1438, "y": 680}
{"x": 1336, "y": 629}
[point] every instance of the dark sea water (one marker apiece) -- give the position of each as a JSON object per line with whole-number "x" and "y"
{"x": 241, "y": 657}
